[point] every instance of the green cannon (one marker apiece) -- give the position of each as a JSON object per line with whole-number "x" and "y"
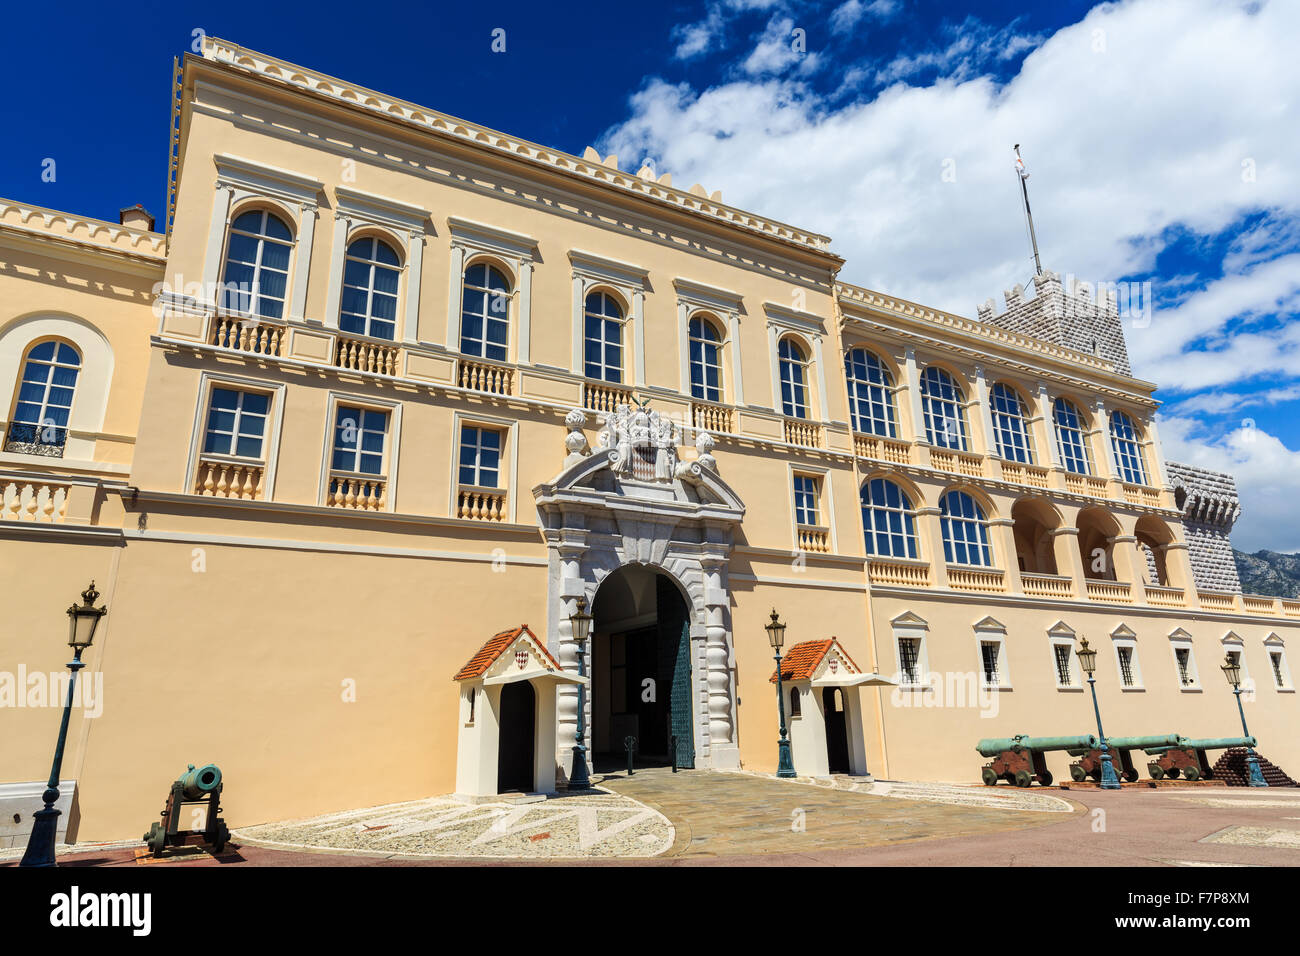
{"x": 1186, "y": 757}
{"x": 1019, "y": 760}
{"x": 1121, "y": 748}
{"x": 192, "y": 789}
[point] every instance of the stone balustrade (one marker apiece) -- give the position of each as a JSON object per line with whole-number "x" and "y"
{"x": 34, "y": 499}
{"x": 805, "y": 433}
{"x": 604, "y": 398}
{"x": 248, "y": 335}
{"x": 481, "y": 376}
{"x": 359, "y": 355}
{"x": 963, "y": 578}
{"x": 356, "y": 492}
{"x": 481, "y": 504}
{"x": 1116, "y": 592}
{"x": 899, "y": 572}
{"x": 1047, "y": 585}
{"x": 710, "y": 417}
{"x": 220, "y": 478}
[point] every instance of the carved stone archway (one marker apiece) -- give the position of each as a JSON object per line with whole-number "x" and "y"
{"x": 633, "y": 500}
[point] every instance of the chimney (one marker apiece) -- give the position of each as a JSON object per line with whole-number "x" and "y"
{"x": 136, "y": 217}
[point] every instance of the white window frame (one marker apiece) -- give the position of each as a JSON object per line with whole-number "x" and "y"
{"x": 1179, "y": 639}
{"x": 990, "y": 631}
{"x": 1062, "y": 635}
{"x": 825, "y": 502}
{"x": 627, "y": 282}
{"x": 1123, "y": 636}
{"x": 725, "y": 306}
{"x": 809, "y": 330}
{"x": 472, "y": 241}
{"x": 1232, "y": 642}
{"x": 908, "y": 626}
{"x": 270, "y": 441}
{"x": 1273, "y": 644}
{"x": 393, "y": 443}
{"x": 508, "y": 472}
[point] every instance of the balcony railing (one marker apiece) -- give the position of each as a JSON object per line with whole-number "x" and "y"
{"x": 800, "y": 432}
{"x": 358, "y": 355}
{"x": 1047, "y": 585}
{"x": 485, "y": 377}
{"x": 1291, "y": 608}
{"x": 1217, "y": 600}
{"x": 481, "y": 504}
{"x": 36, "y": 499}
{"x": 218, "y": 478}
{"x": 899, "y": 572}
{"x": 248, "y": 335}
{"x": 1120, "y": 592}
{"x": 1035, "y": 476}
{"x": 957, "y": 462}
{"x": 1259, "y": 604}
{"x": 604, "y": 398}
{"x": 357, "y": 492}
{"x": 882, "y": 449}
{"x": 961, "y": 578}
{"x": 814, "y": 539}
{"x": 1162, "y": 596}
{"x": 1089, "y": 485}
{"x": 1141, "y": 495}
{"x": 712, "y": 418}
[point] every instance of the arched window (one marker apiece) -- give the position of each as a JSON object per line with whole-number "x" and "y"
{"x": 887, "y": 520}
{"x": 485, "y": 312}
{"x": 871, "y": 393}
{"x": 604, "y": 338}
{"x": 257, "y": 265}
{"x": 965, "y": 534}
{"x": 1071, "y": 441}
{"x": 370, "y": 275}
{"x": 39, "y": 425}
{"x": 794, "y": 378}
{"x": 1128, "y": 450}
{"x": 796, "y": 709}
{"x": 1010, "y": 424}
{"x": 942, "y": 403}
{"x": 706, "y": 360}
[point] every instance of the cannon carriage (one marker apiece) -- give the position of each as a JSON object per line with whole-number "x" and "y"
{"x": 1186, "y": 757}
{"x": 194, "y": 787}
{"x": 1088, "y": 766}
{"x": 1019, "y": 760}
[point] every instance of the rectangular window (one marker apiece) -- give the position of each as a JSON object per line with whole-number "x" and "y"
{"x": 1279, "y": 675}
{"x": 806, "y": 489}
{"x": 909, "y": 656}
{"x": 1186, "y": 675}
{"x": 480, "y": 456}
{"x": 1126, "y": 677}
{"x": 360, "y": 436}
{"x": 989, "y": 656}
{"x": 236, "y": 423}
{"x": 1064, "y": 674}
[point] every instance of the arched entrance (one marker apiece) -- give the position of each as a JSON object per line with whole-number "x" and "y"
{"x": 516, "y": 738}
{"x": 641, "y": 670}
{"x": 837, "y": 730}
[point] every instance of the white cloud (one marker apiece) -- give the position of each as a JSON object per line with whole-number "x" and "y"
{"x": 973, "y": 46}
{"x": 1267, "y": 473}
{"x": 781, "y": 46}
{"x": 847, "y": 15}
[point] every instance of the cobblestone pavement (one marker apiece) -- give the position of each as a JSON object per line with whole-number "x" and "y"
{"x": 595, "y": 825}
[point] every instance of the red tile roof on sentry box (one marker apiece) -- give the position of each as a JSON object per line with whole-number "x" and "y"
{"x": 802, "y": 661}
{"x": 495, "y": 647}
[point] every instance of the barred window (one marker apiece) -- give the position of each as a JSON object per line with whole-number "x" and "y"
{"x": 1279, "y": 678}
{"x": 1127, "y": 448}
{"x": 1064, "y": 672}
{"x": 887, "y": 522}
{"x": 806, "y": 489}
{"x": 1071, "y": 441}
{"x": 1126, "y": 677}
{"x": 1010, "y": 425}
{"x": 603, "y": 358}
{"x": 909, "y": 655}
{"x": 1184, "y": 658}
{"x": 871, "y": 393}
{"x": 236, "y": 423}
{"x": 484, "y": 312}
{"x": 705, "y": 360}
{"x": 370, "y": 277}
{"x": 44, "y": 402}
{"x": 257, "y": 265}
{"x": 965, "y": 534}
{"x": 794, "y": 379}
{"x": 942, "y": 403}
{"x": 989, "y": 655}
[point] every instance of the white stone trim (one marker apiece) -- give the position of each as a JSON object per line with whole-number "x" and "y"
{"x": 392, "y": 442}
{"x": 1178, "y": 640}
{"x": 991, "y": 631}
{"x": 270, "y": 441}
{"x": 509, "y": 465}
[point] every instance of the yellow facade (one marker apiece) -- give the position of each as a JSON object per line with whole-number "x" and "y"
{"x": 292, "y": 621}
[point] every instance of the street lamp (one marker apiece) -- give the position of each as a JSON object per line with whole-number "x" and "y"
{"x": 580, "y": 623}
{"x": 776, "y": 637}
{"x": 1232, "y": 671}
{"x": 83, "y": 619}
{"x": 1088, "y": 661}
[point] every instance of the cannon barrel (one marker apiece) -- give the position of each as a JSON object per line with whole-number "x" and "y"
{"x": 1143, "y": 743}
{"x": 196, "y": 784}
{"x": 992, "y": 746}
{"x": 1218, "y": 743}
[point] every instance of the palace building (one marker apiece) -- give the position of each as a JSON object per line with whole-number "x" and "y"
{"x": 346, "y": 442}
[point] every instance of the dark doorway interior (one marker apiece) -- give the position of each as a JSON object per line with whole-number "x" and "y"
{"x": 837, "y": 730}
{"x": 641, "y": 680}
{"x": 518, "y": 736}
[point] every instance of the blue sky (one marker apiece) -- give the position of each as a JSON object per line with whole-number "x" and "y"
{"x": 1161, "y": 137}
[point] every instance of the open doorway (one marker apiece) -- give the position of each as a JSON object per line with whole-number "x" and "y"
{"x": 641, "y": 671}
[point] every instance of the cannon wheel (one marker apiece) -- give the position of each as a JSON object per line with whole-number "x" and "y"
{"x": 1077, "y": 773}
{"x": 989, "y": 777}
{"x": 1023, "y": 778}
{"x": 1172, "y": 773}
{"x": 1191, "y": 773}
{"x": 1045, "y": 778}
{"x": 223, "y": 835}
{"x": 1131, "y": 775}
{"x": 1157, "y": 772}
{"x": 156, "y": 839}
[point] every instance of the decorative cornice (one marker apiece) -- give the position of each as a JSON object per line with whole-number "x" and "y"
{"x": 93, "y": 235}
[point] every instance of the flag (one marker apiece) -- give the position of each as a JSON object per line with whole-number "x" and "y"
{"x": 1020, "y": 167}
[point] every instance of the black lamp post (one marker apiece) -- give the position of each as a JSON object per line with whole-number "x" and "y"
{"x": 83, "y": 618}
{"x": 580, "y": 622}
{"x": 1232, "y": 671}
{"x": 776, "y": 637}
{"x": 1088, "y": 661}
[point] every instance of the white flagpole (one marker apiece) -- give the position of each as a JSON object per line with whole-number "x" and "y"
{"x": 1022, "y": 175}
